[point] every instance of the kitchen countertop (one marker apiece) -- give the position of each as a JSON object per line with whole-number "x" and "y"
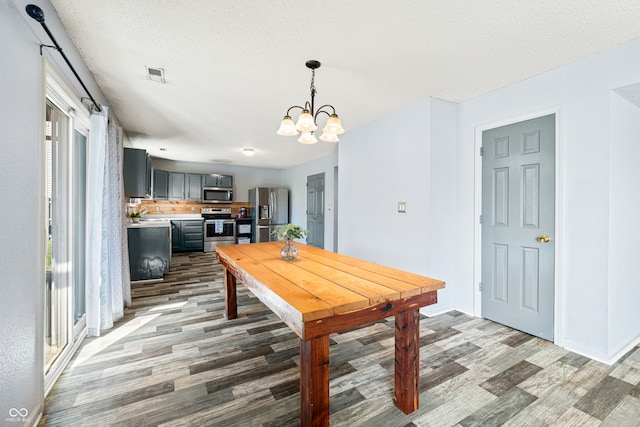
{"x": 163, "y": 220}
{"x": 145, "y": 223}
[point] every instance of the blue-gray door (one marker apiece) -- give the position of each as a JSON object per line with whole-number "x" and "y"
{"x": 518, "y": 217}
{"x": 315, "y": 210}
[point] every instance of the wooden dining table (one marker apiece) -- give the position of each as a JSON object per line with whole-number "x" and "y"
{"x": 322, "y": 292}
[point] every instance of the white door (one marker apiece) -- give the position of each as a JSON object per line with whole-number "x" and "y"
{"x": 518, "y": 217}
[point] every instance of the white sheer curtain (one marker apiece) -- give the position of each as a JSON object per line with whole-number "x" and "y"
{"x": 107, "y": 281}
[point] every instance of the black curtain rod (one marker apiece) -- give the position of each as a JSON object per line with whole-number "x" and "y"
{"x": 36, "y": 13}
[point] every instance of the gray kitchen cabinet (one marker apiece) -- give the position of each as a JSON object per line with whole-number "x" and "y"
{"x": 187, "y": 235}
{"x": 160, "y": 185}
{"x": 194, "y": 186}
{"x": 176, "y": 185}
{"x": 218, "y": 181}
{"x": 136, "y": 173}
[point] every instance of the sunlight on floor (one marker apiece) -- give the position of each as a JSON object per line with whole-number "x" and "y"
{"x": 121, "y": 331}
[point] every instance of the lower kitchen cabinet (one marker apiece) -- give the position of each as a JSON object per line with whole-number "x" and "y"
{"x": 187, "y": 235}
{"x": 149, "y": 252}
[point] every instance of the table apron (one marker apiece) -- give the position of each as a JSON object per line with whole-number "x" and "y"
{"x": 345, "y": 321}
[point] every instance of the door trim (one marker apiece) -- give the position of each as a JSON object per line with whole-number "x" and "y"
{"x": 477, "y": 229}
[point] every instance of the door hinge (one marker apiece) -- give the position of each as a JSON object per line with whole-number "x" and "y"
{"x": 480, "y": 219}
{"x": 480, "y": 286}
{"x": 481, "y": 151}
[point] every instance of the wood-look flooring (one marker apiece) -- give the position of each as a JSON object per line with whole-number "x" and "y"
{"x": 175, "y": 361}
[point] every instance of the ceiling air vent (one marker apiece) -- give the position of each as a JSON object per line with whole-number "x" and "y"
{"x": 155, "y": 74}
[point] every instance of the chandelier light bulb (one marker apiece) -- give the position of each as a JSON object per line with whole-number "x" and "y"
{"x": 307, "y": 138}
{"x": 306, "y": 122}
{"x": 287, "y": 127}
{"x": 334, "y": 125}
{"x": 329, "y": 137}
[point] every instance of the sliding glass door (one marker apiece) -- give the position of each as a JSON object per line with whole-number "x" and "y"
{"x": 65, "y": 148}
{"x": 57, "y": 263}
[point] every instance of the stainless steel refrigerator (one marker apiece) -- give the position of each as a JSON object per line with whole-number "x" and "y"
{"x": 270, "y": 207}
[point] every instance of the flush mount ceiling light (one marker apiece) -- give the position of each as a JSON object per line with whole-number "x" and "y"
{"x": 248, "y": 152}
{"x": 307, "y": 121}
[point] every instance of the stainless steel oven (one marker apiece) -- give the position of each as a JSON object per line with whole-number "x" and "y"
{"x": 219, "y": 228}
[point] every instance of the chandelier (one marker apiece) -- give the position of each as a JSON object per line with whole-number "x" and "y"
{"x": 306, "y": 123}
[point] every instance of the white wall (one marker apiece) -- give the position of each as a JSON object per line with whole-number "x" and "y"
{"x": 404, "y": 157}
{"x": 295, "y": 179}
{"x": 624, "y": 225}
{"x": 581, "y": 94}
{"x": 21, "y": 294}
{"x": 401, "y": 158}
{"x": 21, "y": 191}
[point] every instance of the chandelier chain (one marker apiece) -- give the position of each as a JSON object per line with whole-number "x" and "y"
{"x": 313, "y": 86}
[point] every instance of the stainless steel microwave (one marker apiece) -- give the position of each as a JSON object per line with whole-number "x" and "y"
{"x": 217, "y": 195}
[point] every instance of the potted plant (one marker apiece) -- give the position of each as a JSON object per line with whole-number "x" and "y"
{"x": 135, "y": 216}
{"x": 289, "y": 232}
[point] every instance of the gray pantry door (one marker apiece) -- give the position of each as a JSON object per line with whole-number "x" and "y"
{"x": 315, "y": 210}
{"x": 518, "y": 213}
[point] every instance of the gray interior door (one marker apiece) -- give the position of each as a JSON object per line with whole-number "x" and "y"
{"x": 315, "y": 210}
{"x": 518, "y": 212}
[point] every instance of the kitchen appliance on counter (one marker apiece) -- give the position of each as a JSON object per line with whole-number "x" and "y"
{"x": 271, "y": 208}
{"x": 219, "y": 228}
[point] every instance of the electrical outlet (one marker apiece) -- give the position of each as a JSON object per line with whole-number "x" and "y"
{"x": 402, "y": 207}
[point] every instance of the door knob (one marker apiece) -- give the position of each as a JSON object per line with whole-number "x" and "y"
{"x": 543, "y": 239}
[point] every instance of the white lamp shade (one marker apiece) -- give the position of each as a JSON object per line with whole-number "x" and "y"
{"x": 329, "y": 137}
{"x": 307, "y": 138}
{"x": 287, "y": 127}
{"x": 306, "y": 123}
{"x": 334, "y": 125}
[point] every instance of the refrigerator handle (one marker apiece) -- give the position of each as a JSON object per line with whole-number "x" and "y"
{"x": 274, "y": 205}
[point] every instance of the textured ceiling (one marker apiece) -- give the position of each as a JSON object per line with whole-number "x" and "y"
{"x": 234, "y": 67}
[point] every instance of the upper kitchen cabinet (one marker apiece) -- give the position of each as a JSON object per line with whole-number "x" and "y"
{"x": 137, "y": 173}
{"x": 176, "y": 185}
{"x": 160, "y": 185}
{"x": 218, "y": 181}
{"x": 194, "y": 186}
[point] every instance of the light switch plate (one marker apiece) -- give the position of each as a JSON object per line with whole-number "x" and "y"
{"x": 402, "y": 207}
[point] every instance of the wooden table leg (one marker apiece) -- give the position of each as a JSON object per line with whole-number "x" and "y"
{"x": 314, "y": 382}
{"x": 230, "y": 296}
{"x": 407, "y": 361}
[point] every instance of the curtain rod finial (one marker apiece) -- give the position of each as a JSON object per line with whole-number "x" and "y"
{"x": 35, "y": 12}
